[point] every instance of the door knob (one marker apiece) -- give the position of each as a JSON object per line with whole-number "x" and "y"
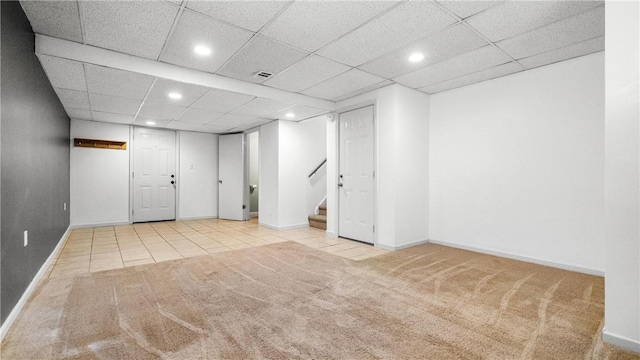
{"x": 220, "y": 181}
{"x": 172, "y": 182}
{"x": 339, "y": 184}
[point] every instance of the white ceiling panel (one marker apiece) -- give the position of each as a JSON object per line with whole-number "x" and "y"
{"x": 115, "y": 82}
{"x": 113, "y": 104}
{"x": 299, "y": 112}
{"x": 112, "y": 118}
{"x": 516, "y": 17}
{"x": 63, "y": 73}
{"x": 137, "y": 28}
{"x": 222, "y": 101}
{"x": 344, "y": 83}
{"x": 231, "y": 120}
{"x": 252, "y": 15}
{"x": 142, "y": 121}
{"x": 562, "y": 33}
{"x": 306, "y": 73}
{"x": 160, "y": 111}
{"x": 494, "y": 72}
{"x": 464, "y": 64}
{"x": 311, "y": 25}
{"x": 73, "y": 99}
{"x": 363, "y": 90}
{"x": 186, "y": 126}
{"x": 261, "y": 107}
{"x": 199, "y": 116}
{"x": 79, "y": 114}
{"x": 163, "y": 87}
{"x": 261, "y": 54}
{"x": 464, "y": 9}
{"x": 54, "y": 18}
{"x": 443, "y": 45}
{"x": 193, "y": 30}
{"x": 565, "y": 53}
{"x": 212, "y": 129}
{"x": 402, "y": 25}
{"x": 251, "y": 125}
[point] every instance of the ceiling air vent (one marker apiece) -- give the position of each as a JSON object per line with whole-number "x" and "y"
{"x": 263, "y": 75}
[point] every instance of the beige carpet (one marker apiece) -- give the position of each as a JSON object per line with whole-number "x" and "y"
{"x": 288, "y": 301}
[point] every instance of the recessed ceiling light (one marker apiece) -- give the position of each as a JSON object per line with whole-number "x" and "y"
{"x": 202, "y": 50}
{"x": 175, "y": 95}
{"x": 416, "y": 57}
{"x": 151, "y": 122}
{"x": 289, "y": 115}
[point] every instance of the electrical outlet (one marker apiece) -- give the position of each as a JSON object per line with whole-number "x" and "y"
{"x": 25, "y": 237}
{"x": 65, "y": 206}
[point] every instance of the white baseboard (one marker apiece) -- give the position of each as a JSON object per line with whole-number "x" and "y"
{"x": 331, "y": 234}
{"x": 197, "y": 218}
{"x": 287, "y": 227}
{"x": 109, "y": 223}
{"x": 404, "y": 246}
{"x": 522, "y": 258}
{"x": 621, "y": 341}
{"x": 32, "y": 286}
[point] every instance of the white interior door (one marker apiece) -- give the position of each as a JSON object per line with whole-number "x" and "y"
{"x": 154, "y": 174}
{"x": 356, "y": 175}
{"x": 231, "y": 178}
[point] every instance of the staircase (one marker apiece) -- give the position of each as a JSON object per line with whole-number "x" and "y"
{"x": 319, "y": 221}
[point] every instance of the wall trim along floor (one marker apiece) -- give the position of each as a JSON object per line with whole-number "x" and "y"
{"x": 400, "y": 247}
{"x": 621, "y": 341}
{"x": 288, "y": 227}
{"x": 32, "y": 286}
{"x": 522, "y": 258}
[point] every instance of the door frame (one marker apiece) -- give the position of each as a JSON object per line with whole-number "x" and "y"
{"x": 245, "y": 174}
{"x": 131, "y": 159}
{"x": 336, "y": 177}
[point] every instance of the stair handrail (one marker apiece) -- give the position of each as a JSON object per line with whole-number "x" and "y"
{"x": 318, "y": 168}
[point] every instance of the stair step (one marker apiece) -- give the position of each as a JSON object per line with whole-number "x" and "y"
{"x": 318, "y": 221}
{"x": 322, "y": 209}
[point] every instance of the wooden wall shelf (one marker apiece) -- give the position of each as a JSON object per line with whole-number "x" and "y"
{"x": 100, "y": 144}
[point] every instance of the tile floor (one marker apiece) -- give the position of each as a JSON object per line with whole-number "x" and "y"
{"x": 113, "y": 247}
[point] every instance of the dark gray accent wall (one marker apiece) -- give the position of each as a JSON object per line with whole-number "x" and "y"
{"x": 34, "y": 159}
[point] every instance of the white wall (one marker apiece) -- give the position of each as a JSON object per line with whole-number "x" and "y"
{"x": 99, "y": 177}
{"x": 268, "y": 178}
{"x": 198, "y": 175}
{"x": 253, "y": 140}
{"x": 402, "y": 130}
{"x": 622, "y": 181}
{"x": 517, "y": 165}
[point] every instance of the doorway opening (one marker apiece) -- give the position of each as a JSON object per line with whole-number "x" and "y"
{"x": 254, "y": 174}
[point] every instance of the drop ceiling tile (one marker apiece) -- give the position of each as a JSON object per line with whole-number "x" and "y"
{"x": 221, "y": 100}
{"x": 516, "y": 17}
{"x": 261, "y": 107}
{"x": 212, "y": 129}
{"x": 162, "y": 88}
{"x": 494, "y": 72}
{"x": 562, "y": 33}
{"x": 79, "y": 114}
{"x": 54, "y": 18}
{"x": 402, "y": 25}
{"x": 199, "y": 116}
{"x": 186, "y": 126}
{"x": 473, "y": 61}
{"x": 137, "y": 28}
{"x": 160, "y": 111}
{"x": 193, "y": 30}
{"x": 73, "y": 99}
{"x": 311, "y": 25}
{"x": 112, "y": 118}
{"x": 363, "y": 90}
{"x": 231, "y": 120}
{"x": 113, "y": 104}
{"x": 306, "y": 73}
{"x": 252, "y": 15}
{"x": 443, "y": 45}
{"x": 251, "y": 125}
{"x": 300, "y": 112}
{"x": 142, "y": 121}
{"x": 464, "y": 9}
{"x": 63, "y": 73}
{"x": 115, "y": 82}
{"x": 344, "y": 83}
{"x": 261, "y": 54}
{"x": 565, "y": 53}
